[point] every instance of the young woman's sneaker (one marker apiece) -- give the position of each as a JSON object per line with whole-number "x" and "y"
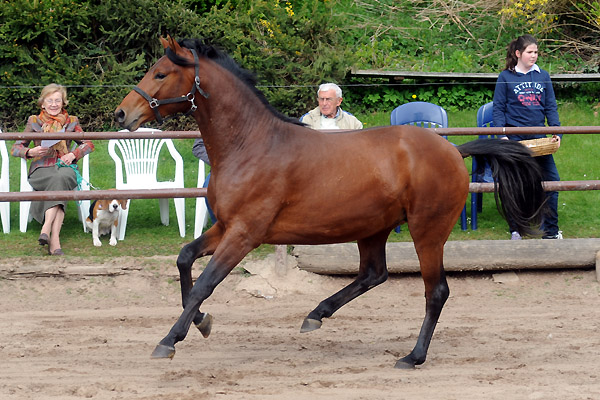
{"x": 515, "y": 236}
{"x": 557, "y": 236}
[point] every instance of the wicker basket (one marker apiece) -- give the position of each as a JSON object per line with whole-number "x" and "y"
{"x": 540, "y": 147}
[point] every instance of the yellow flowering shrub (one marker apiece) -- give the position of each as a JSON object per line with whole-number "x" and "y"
{"x": 537, "y": 16}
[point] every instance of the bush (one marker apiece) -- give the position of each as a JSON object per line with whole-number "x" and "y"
{"x": 101, "y": 49}
{"x": 83, "y": 45}
{"x": 452, "y": 97}
{"x": 292, "y": 48}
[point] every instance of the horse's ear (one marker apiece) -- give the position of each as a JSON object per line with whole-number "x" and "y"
{"x": 164, "y": 42}
{"x": 171, "y": 43}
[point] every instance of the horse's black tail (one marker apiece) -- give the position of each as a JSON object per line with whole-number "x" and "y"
{"x": 517, "y": 180}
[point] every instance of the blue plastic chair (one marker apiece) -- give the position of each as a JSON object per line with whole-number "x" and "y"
{"x": 420, "y": 113}
{"x": 425, "y": 115}
{"x": 485, "y": 118}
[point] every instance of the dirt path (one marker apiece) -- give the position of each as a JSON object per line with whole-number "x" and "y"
{"x": 88, "y": 335}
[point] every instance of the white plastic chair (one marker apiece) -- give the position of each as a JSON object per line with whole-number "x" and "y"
{"x": 83, "y": 208}
{"x": 140, "y": 161}
{"x": 201, "y": 211}
{"x": 5, "y": 205}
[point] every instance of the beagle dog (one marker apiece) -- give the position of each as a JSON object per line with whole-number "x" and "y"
{"x": 104, "y": 219}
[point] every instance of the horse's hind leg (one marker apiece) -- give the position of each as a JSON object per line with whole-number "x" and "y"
{"x": 429, "y": 243}
{"x": 202, "y": 246}
{"x": 372, "y": 272}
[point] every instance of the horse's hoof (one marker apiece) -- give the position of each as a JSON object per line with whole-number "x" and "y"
{"x": 205, "y": 325}
{"x": 162, "y": 351}
{"x": 310, "y": 325}
{"x": 405, "y": 363}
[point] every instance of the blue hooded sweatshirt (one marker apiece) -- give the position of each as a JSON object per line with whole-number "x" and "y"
{"x": 525, "y": 100}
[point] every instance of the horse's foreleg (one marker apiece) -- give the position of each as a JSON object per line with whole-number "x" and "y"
{"x": 436, "y": 294}
{"x": 229, "y": 253}
{"x": 202, "y": 246}
{"x": 372, "y": 272}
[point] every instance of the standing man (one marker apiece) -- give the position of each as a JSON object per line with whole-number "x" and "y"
{"x": 329, "y": 114}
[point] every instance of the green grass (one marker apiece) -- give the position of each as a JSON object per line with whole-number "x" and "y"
{"x": 579, "y": 212}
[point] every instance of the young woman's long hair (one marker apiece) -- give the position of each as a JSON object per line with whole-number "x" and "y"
{"x": 519, "y": 44}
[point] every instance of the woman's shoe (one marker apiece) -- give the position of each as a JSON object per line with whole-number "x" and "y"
{"x": 43, "y": 239}
{"x": 557, "y": 236}
{"x": 57, "y": 252}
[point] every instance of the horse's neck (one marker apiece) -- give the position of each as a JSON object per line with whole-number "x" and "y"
{"x": 233, "y": 121}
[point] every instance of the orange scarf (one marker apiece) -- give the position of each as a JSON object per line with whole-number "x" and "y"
{"x": 55, "y": 123}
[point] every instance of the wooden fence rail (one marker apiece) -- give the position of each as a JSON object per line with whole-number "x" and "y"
{"x": 474, "y": 187}
{"x": 550, "y": 130}
{"x": 477, "y": 77}
{"x": 103, "y": 194}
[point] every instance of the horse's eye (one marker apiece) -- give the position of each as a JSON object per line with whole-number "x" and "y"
{"x": 160, "y": 76}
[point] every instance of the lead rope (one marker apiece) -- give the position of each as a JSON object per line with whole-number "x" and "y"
{"x": 60, "y": 163}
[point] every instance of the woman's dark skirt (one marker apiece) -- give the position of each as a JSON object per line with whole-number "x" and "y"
{"x": 50, "y": 178}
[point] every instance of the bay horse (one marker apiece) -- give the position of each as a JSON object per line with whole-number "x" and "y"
{"x": 276, "y": 181}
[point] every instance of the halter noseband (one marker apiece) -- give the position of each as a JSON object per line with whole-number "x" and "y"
{"x": 155, "y": 103}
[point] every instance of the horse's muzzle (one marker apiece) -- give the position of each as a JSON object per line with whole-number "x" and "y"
{"x": 120, "y": 116}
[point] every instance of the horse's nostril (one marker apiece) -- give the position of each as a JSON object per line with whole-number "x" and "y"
{"x": 119, "y": 115}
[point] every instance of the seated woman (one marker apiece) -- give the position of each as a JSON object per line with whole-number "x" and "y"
{"x": 49, "y": 169}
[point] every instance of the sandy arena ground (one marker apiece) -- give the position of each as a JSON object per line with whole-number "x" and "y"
{"x": 76, "y": 331}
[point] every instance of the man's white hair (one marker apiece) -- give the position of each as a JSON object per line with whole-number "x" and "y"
{"x": 329, "y": 86}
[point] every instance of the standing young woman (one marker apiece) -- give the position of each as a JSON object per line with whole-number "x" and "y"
{"x": 524, "y": 96}
{"x": 44, "y": 171}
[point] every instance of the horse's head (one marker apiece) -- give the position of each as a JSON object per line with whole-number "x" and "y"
{"x": 167, "y": 88}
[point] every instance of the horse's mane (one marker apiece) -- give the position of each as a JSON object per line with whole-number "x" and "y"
{"x": 213, "y": 53}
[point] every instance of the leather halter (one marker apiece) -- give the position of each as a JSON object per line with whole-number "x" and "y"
{"x": 154, "y": 103}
